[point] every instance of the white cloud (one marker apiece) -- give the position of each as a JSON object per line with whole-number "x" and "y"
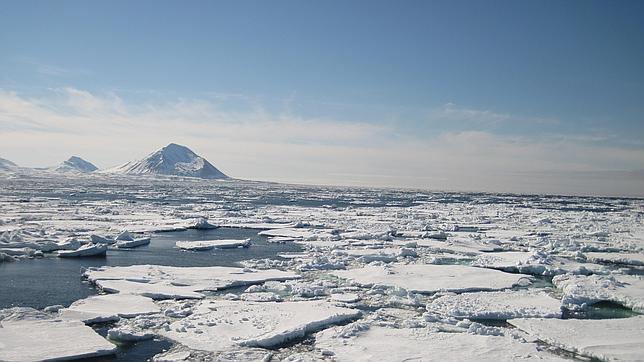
{"x": 256, "y": 144}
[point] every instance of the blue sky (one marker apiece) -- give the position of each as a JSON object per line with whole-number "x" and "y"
{"x": 539, "y": 74}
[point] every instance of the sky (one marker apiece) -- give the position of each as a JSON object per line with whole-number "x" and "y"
{"x": 502, "y": 96}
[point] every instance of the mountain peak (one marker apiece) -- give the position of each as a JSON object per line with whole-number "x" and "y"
{"x": 76, "y": 164}
{"x": 172, "y": 160}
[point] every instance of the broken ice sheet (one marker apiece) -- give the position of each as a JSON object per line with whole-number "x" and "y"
{"x": 581, "y": 291}
{"x": 220, "y": 325}
{"x": 110, "y": 307}
{"x": 25, "y": 338}
{"x": 365, "y": 343}
{"x": 605, "y": 339}
{"x": 430, "y": 278}
{"x": 161, "y": 282}
{"x": 497, "y": 305}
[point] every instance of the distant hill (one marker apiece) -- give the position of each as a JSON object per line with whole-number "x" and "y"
{"x": 6, "y": 165}
{"x": 171, "y": 160}
{"x": 75, "y": 164}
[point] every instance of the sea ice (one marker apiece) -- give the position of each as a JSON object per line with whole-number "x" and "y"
{"x": 220, "y": 325}
{"x": 50, "y": 339}
{"x": 605, "y": 339}
{"x": 86, "y": 250}
{"x": 497, "y": 305}
{"x": 129, "y": 244}
{"x": 580, "y": 291}
{"x": 349, "y": 343}
{"x": 210, "y": 244}
{"x": 616, "y": 258}
{"x": 429, "y": 278}
{"x": 159, "y": 282}
{"x": 110, "y": 307}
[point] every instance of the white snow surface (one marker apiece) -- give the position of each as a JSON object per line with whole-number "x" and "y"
{"x": 110, "y": 307}
{"x": 497, "y": 305}
{"x": 428, "y": 278}
{"x": 220, "y": 325}
{"x": 606, "y": 339}
{"x": 422, "y": 344}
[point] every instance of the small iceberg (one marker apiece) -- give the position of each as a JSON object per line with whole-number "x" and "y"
{"x": 129, "y": 244}
{"x": 126, "y": 240}
{"x": 203, "y": 224}
{"x": 212, "y": 244}
{"x": 84, "y": 251}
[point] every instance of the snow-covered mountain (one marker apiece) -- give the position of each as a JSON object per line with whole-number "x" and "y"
{"x": 75, "y": 164}
{"x": 171, "y": 160}
{"x": 6, "y": 165}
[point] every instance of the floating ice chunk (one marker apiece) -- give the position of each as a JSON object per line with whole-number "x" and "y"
{"x": 97, "y": 239}
{"x": 50, "y": 339}
{"x": 430, "y": 278}
{"x": 210, "y": 244}
{"x": 536, "y": 263}
{"x": 87, "y": 250}
{"x": 300, "y": 233}
{"x": 260, "y": 226}
{"x": 502, "y": 260}
{"x": 154, "y": 290}
{"x": 345, "y": 297}
{"x": 605, "y": 339}
{"x": 104, "y": 308}
{"x": 580, "y": 291}
{"x": 219, "y": 325}
{"x": 497, "y": 305}
{"x": 125, "y": 235}
{"x": 202, "y": 224}
{"x": 260, "y": 297}
{"x": 368, "y": 255}
{"x": 458, "y": 246}
{"x": 407, "y": 344}
{"x": 160, "y": 282}
{"x": 616, "y": 258}
{"x": 135, "y": 243}
{"x": 127, "y": 334}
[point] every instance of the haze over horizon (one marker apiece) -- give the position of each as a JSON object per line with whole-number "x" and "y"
{"x": 498, "y": 96}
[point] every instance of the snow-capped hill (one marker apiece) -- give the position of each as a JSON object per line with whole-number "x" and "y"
{"x": 75, "y": 164}
{"x": 6, "y": 165}
{"x": 171, "y": 160}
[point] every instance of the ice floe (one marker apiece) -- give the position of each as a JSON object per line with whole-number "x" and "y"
{"x": 582, "y": 291}
{"x": 212, "y": 244}
{"x": 161, "y": 282}
{"x": 220, "y": 325}
{"x": 406, "y": 344}
{"x": 25, "y": 338}
{"x": 428, "y": 278}
{"x": 86, "y": 250}
{"x": 497, "y": 305}
{"x": 605, "y": 339}
{"x": 110, "y": 307}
